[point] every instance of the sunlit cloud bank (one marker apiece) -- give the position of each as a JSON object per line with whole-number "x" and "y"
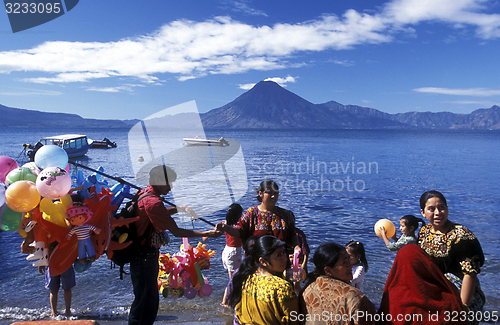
{"x": 190, "y": 49}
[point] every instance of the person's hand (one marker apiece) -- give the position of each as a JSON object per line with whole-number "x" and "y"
{"x": 220, "y": 226}
{"x": 189, "y": 211}
{"x": 97, "y": 231}
{"x": 383, "y": 232}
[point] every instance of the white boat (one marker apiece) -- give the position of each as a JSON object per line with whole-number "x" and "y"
{"x": 75, "y": 145}
{"x": 199, "y": 141}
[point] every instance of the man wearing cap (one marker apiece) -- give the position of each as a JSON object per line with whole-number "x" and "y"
{"x": 154, "y": 216}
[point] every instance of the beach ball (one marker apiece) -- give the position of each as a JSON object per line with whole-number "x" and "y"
{"x": 53, "y": 182}
{"x": 6, "y": 165}
{"x": 20, "y": 174}
{"x": 51, "y": 156}
{"x": 388, "y": 225}
{"x": 34, "y": 168}
{"x": 82, "y": 267}
{"x": 11, "y": 219}
{"x": 22, "y": 196}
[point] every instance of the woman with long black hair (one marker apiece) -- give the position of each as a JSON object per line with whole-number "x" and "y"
{"x": 260, "y": 295}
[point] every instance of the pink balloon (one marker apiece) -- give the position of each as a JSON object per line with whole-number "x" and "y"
{"x": 6, "y": 165}
{"x": 53, "y": 183}
{"x": 205, "y": 290}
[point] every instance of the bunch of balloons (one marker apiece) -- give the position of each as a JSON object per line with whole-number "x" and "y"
{"x": 25, "y": 186}
{"x": 180, "y": 275}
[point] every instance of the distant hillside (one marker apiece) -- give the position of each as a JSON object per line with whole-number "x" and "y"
{"x": 17, "y": 117}
{"x": 269, "y": 106}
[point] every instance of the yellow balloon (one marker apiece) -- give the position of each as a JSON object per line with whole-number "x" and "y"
{"x": 389, "y": 228}
{"x": 55, "y": 212}
{"x": 22, "y": 196}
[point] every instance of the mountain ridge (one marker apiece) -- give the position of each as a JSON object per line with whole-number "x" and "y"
{"x": 269, "y": 106}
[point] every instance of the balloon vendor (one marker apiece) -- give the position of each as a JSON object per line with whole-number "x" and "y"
{"x": 78, "y": 214}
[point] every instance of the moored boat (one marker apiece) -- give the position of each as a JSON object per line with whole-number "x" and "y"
{"x": 198, "y": 141}
{"x": 75, "y": 145}
{"x": 102, "y": 144}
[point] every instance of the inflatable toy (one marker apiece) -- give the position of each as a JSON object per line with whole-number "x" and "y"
{"x": 388, "y": 225}
{"x": 11, "y": 219}
{"x": 295, "y": 274}
{"x": 53, "y": 182}
{"x": 20, "y": 174}
{"x": 51, "y": 156}
{"x": 22, "y": 196}
{"x": 181, "y": 273}
{"x": 6, "y": 165}
{"x": 55, "y": 211}
{"x": 33, "y": 167}
{"x": 78, "y": 214}
{"x": 40, "y": 238}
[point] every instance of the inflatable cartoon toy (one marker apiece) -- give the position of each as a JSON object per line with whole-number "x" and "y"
{"x": 78, "y": 214}
{"x": 295, "y": 274}
{"x": 53, "y": 182}
{"x": 6, "y": 165}
{"x": 55, "y": 211}
{"x": 389, "y": 228}
{"x": 51, "y": 156}
{"x": 22, "y": 196}
{"x": 181, "y": 273}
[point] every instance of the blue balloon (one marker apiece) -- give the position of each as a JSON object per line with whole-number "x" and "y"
{"x": 82, "y": 267}
{"x": 51, "y": 156}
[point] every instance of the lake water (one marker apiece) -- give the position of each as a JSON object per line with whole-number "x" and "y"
{"x": 338, "y": 183}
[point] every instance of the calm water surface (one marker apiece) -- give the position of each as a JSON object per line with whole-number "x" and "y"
{"x": 338, "y": 183}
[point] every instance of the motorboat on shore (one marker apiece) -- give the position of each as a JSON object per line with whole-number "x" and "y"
{"x": 75, "y": 145}
{"x": 199, "y": 141}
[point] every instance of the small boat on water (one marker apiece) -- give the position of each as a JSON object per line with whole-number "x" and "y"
{"x": 75, "y": 145}
{"x": 199, "y": 141}
{"x": 102, "y": 144}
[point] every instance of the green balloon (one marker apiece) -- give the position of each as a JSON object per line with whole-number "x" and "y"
{"x": 11, "y": 219}
{"x": 20, "y": 174}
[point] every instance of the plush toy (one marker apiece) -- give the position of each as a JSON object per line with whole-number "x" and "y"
{"x": 78, "y": 215}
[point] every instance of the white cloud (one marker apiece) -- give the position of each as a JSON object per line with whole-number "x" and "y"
{"x": 477, "y": 92}
{"x": 221, "y": 45}
{"x": 280, "y": 81}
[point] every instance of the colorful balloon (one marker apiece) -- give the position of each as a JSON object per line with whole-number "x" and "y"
{"x": 82, "y": 267}
{"x": 20, "y": 174}
{"x": 51, "y": 156}
{"x": 10, "y": 219}
{"x": 389, "y": 228}
{"x": 22, "y": 196}
{"x": 53, "y": 182}
{"x": 6, "y": 165}
{"x": 34, "y": 168}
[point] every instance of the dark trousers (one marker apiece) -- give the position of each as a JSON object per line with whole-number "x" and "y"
{"x": 144, "y": 275}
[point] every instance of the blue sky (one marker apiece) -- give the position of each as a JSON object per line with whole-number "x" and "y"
{"x": 129, "y": 59}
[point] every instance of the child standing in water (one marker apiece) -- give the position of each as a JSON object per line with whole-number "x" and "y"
{"x": 408, "y": 226}
{"x": 231, "y": 255}
{"x": 356, "y": 251}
